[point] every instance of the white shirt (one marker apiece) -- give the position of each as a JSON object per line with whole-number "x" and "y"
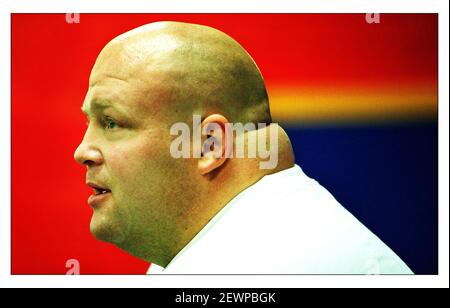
{"x": 286, "y": 223}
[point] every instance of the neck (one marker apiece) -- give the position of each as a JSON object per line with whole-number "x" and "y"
{"x": 221, "y": 186}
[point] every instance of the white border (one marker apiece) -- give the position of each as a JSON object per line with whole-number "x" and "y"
{"x": 223, "y": 6}
{"x": 230, "y": 6}
{"x": 5, "y": 152}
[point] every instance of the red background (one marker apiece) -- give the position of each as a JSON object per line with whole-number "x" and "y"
{"x": 51, "y": 62}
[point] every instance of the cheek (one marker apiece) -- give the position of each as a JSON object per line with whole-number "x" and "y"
{"x": 118, "y": 163}
{"x": 134, "y": 162}
{"x": 124, "y": 162}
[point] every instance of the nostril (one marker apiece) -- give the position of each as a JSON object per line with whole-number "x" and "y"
{"x": 88, "y": 162}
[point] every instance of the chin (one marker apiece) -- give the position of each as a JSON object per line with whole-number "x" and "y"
{"x": 105, "y": 230}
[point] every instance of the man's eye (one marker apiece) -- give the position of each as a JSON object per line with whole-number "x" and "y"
{"x": 110, "y": 123}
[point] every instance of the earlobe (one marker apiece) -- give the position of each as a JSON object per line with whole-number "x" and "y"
{"x": 213, "y": 149}
{"x": 209, "y": 163}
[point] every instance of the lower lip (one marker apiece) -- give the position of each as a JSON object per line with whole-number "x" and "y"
{"x": 97, "y": 199}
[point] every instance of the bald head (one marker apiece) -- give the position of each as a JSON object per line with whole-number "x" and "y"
{"x": 180, "y": 69}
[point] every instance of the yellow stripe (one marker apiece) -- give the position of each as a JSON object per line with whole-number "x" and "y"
{"x": 321, "y": 106}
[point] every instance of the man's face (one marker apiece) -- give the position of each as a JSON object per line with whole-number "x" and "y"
{"x": 126, "y": 152}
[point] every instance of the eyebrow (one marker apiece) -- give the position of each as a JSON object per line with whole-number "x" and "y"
{"x": 97, "y": 104}
{"x": 94, "y": 105}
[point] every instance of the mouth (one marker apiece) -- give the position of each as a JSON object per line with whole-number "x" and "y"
{"x": 100, "y": 194}
{"x": 101, "y": 191}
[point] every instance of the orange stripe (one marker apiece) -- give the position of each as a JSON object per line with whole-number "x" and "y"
{"x": 320, "y": 105}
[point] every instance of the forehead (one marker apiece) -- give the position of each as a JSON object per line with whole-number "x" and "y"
{"x": 109, "y": 91}
{"x": 123, "y": 77}
{"x": 127, "y": 100}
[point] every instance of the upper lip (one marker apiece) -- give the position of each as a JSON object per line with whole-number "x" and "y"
{"x": 98, "y": 188}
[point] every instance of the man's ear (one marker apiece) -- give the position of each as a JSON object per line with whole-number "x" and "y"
{"x": 214, "y": 148}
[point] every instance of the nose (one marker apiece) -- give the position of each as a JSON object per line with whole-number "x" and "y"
{"x": 88, "y": 154}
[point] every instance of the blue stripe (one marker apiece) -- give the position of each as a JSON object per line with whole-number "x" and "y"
{"x": 386, "y": 175}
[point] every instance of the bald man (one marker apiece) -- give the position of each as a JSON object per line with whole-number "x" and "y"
{"x": 209, "y": 213}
